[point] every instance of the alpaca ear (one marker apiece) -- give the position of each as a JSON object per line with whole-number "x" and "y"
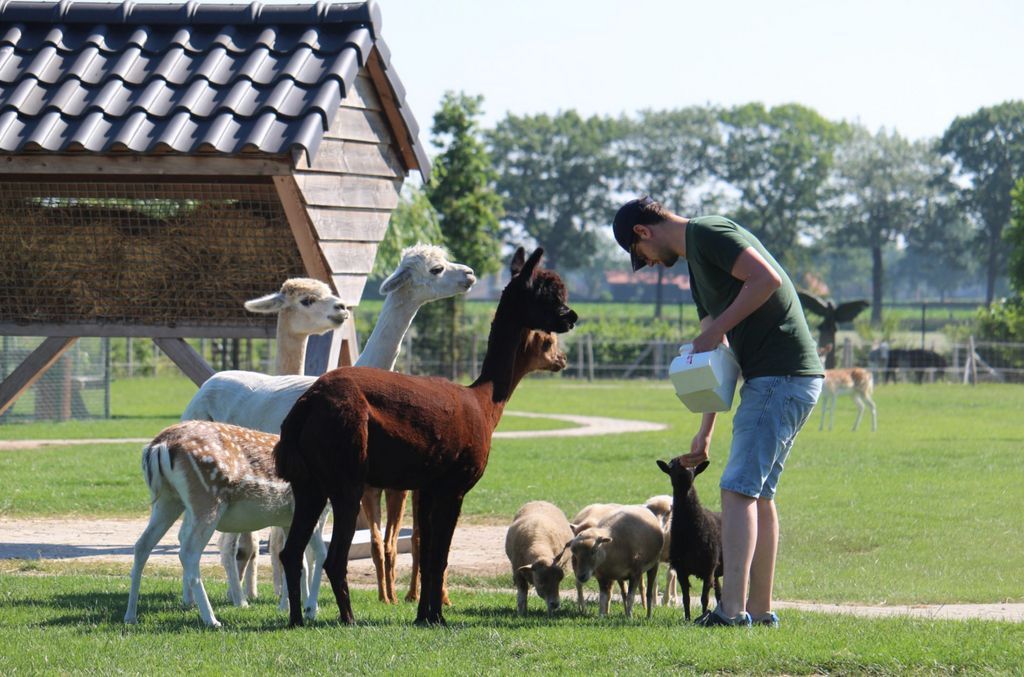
{"x": 664, "y": 467}
{"x": 271, "y": 303}
{"x": 700, "y": 468}
{"x": 396, "y": 280}
{"x": 532, "y": 262}
{"x": 518, "y": 259}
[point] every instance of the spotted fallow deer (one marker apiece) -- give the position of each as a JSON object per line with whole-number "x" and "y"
{"x": 856, "y": 382}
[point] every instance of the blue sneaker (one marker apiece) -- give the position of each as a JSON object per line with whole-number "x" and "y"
{"x": 714, "y": 619}
{"x": 768, "y": 620}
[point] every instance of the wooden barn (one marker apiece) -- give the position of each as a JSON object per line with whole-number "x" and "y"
{"x": 162, "y": 163}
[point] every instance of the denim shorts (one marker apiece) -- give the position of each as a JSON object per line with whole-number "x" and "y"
{"x": 772, "y": 410}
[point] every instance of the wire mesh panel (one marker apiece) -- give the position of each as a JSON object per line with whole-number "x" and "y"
{"x": 77, "y": 386}
{"x": 140, "y": 253}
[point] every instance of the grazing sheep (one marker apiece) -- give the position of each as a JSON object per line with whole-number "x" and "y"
{"x": 696, "y": 534}
{"x": 661, "y": 506}
{"x": 624, "y": 545}
{"x": 535, "y": 545}
{"x": 586, "y": 518}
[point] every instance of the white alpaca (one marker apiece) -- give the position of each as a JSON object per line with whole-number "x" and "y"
{"x": 304, "y": 307}
{"x": 261, "y": 402}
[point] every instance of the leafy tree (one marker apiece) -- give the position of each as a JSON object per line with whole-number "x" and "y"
{"x": 988, "y": 148}
{"x": 1014, "y": 237}
{"x": 556, "y": 174}
{"x": 462, "y": 192}
{"x": 461, "y": 187}
{"x": 414, "y": 220}
{"x": 778, "y": 160}
{"x": 883, "y": 187}
{"x": 670, "y": 155}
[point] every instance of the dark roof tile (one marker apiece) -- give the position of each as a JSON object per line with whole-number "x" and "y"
{"x": 184, "y": 78}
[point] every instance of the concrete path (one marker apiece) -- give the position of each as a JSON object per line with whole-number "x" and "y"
{"x": 586, "y": 426}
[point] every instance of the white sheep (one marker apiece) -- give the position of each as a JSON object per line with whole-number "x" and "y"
{"x": 536, "y": 546}
{"x": 625, "y": 545}
{"x": 661, "y": 506}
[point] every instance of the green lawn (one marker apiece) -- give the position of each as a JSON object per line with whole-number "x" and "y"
{"x": 72, "y": 623}
{"x": 926, "y": 510}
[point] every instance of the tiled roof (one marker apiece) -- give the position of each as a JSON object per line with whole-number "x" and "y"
{"x": 185, "y": 78}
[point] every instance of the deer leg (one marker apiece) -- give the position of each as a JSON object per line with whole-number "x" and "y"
{"x": 395, "y": 502}
{"x": 201, "y": 526}
{"x": 162, "y": 515}
{"x": 249, "y": 551}
{"x": 230, "y": 559}
{"x": 345, "y": 505}
{"x": 860, "y": 410}
{"x": 874, "y": 413}
{"x": 824, "y": 408}
{"x": 318, "y": 549}
{"x": 274, "y": 544}
{"x": 414, "y": 578}
{"x": 370, "y": 503}
{"x": 309, "y": 503}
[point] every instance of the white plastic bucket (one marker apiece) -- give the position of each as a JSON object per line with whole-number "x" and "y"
{"x": 705, "y": 382}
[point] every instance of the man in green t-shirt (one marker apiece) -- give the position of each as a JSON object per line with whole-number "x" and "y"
{"x": 745, "y": 299}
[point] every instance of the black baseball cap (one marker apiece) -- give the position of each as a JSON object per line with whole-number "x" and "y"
{"x": 629, "y": 215}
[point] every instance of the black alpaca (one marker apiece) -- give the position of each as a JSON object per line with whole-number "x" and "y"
{"x": 696, "y": 548}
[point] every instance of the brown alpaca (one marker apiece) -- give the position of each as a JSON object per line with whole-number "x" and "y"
{"x": 359, "y": 426}
{"x": 540, "y": 352}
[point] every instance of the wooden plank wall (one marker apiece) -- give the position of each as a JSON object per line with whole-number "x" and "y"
{"x": 351, "y": 187}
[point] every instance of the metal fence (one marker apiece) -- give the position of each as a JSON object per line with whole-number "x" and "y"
{"x": 78, "y": 385}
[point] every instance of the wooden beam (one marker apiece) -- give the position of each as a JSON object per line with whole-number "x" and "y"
{"x": 138, "y": 331}
{"x": 349, "y": 345}
{"x": 302, "y": 229}
{"x": 346, "y": 223}
{"x": 345, "y": 190}
{"x": 390, "y": 106}
{"x": 150, "y": 165}
{"x": 338, "y": 348}
{"x": 187, "y": 359}
{"x": 34, "y": 366}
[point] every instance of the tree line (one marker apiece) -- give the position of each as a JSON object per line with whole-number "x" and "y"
{"x": 829, "y": 198}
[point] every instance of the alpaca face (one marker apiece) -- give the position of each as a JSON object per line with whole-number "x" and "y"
{"x": 538, "y": 297}
{"x": 304, "y": 306}
{"x": 541, "y": 352}
{"x": 425, "y": 274}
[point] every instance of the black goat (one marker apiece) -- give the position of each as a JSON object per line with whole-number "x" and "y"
{"x": 696, "y": 548}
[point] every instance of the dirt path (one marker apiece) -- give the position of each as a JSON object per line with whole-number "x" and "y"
{"x": 476, "y": 550}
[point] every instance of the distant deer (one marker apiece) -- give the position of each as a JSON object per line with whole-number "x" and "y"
{"x": 856, "y": 381}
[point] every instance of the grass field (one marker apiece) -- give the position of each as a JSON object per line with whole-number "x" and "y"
{"x": 926, "y": 510}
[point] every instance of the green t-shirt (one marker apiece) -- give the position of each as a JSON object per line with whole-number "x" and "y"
{"x": 774, "y": 340}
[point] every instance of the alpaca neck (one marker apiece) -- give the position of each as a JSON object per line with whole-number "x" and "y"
{"x": 499, "y": 375}
{"x": 385, "y": 342}
{"x": 291, "y": 352}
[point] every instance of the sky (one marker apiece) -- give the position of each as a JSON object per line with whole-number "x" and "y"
{"x": 905, "y": 65}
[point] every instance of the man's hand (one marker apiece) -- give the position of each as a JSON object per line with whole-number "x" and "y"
{"x": 708, "y": 340}
{"x": 699, "y": 451}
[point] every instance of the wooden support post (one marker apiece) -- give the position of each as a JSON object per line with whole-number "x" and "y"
{"x": 34, "y": 366}
{"x": 187, "y": 359}
{"x": 590, "y": 356}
